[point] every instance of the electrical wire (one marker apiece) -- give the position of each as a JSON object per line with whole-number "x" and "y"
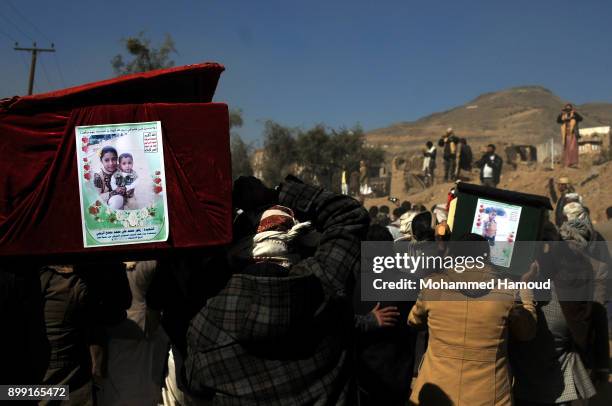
{"x": 17, "y": 27}
{"x": 9, "y": 36}
{"x": 59, "y": 69}
{"x": 35, "y": 27}
{"x": 47, "y": 77}
{"x": 26, "y": 20}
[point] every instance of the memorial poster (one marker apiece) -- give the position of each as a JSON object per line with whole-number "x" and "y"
{"x": 497, "y": 223}
{"x": 122, "y": 184}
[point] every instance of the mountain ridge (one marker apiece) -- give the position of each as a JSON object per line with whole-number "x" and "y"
{"x": 516, "y": 115}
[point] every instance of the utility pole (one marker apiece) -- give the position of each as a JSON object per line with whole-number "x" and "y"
{"x": 34, "y": 50}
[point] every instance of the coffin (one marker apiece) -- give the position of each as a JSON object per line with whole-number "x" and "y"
{"x": 39, "y": 192}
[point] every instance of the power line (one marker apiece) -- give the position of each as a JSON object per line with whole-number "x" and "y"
{"x": 34, "y": 51}
{"x": 57, "y": 65}
{"x": 40, "y": 32}
{"x": 26, "y": 20}
{"x": 47, "y": 77}
{"x": 9, "y": 36}
{"x": 17, "y": 28}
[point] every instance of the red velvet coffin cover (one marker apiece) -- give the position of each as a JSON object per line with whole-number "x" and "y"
{"x": 39, "y": 193}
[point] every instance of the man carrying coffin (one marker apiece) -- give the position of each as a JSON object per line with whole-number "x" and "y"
{"x": 280, "y": 331}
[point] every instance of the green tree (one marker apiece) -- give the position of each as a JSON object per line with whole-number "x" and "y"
{"x": 235, "y": 118}
{"x": 348, "y": 147}
{"x": 241, "y": 157}
{"x": 320, "y": 154}
{"x": 279, "y": 152}
{"x": 143, "y": 56}
{"x": 315, "y": 156}
{"x": 241, "y": 152}
{"x": 340, "y": 150}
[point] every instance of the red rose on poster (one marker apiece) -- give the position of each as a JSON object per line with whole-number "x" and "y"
{"x": 84, "y": 148}
{"x": 98, "y": 203}
{"x": 84, "y": 159}
{"x": 157, "y": 180}
{"x": 86, "y": 167}
{"x": 84, "y": 139}
{"x": 157, "y": 189}
{"x": 93, "y": 210}
{"x": 87, "y": 176}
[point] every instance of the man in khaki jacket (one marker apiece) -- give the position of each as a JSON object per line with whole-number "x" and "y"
{"x": 466, "y": 361}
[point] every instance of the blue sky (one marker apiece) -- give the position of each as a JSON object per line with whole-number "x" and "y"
{"x": 337, "y": 62}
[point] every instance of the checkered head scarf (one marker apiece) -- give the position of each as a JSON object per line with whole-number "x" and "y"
{"x": 279, "y": 236}
{"x": 277, "y": 218}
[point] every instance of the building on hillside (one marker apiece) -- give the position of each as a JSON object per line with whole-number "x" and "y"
{"x": 594, "y": 140}
{"x": 594, "y": 144}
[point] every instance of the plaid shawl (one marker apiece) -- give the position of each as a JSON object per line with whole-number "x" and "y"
{"x": 284, "y": 339}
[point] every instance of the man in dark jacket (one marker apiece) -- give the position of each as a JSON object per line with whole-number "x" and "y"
{"x": 490, "y": 167}
{"x": 281, "y": 335}
{"x": 180, "y": 287}
{"x": 78, "y": 302}
{"x": 449, "y": 142}
{"x": 384, "y": 343}
{"x": 464, "y": 157}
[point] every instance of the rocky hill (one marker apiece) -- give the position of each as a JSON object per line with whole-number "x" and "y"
{"x": 516, "y": 115}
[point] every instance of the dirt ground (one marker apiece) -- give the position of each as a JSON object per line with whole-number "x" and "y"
{"x": 594, "y": 183}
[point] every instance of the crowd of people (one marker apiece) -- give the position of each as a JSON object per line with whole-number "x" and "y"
{"x": 457, "y": 156}
{"x": 277, "y": 318}
{"x": 558, "y": 350}
{"x": 458, "y": 163}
